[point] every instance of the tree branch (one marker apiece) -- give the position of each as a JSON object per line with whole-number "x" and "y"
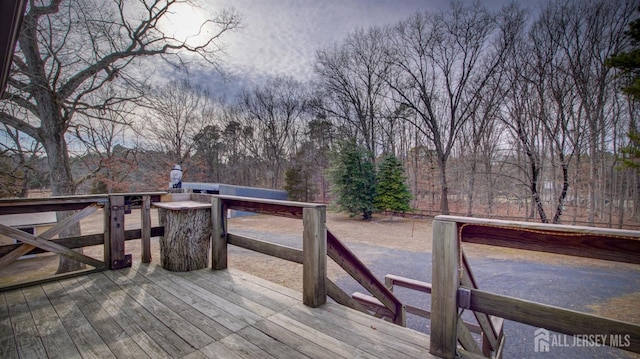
{"x": 20, "y": 125}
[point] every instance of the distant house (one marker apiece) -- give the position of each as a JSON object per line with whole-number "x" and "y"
{"x": 32, "y": 223}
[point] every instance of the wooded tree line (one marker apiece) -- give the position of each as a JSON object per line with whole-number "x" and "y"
{"x": 505, "y": 112}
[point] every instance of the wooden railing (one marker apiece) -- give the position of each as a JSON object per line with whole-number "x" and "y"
{"x": 312, "y": 256}
{"x": 491, "y": 342}
{"x": 112, "y": 238}
{"x": 454, "y": 286}
{"x": 318, "y": 243}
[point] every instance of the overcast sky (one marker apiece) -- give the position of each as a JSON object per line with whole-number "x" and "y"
{"x": 282, "y": 36}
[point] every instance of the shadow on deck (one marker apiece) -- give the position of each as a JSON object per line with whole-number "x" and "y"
{"x": 146, "y": 311}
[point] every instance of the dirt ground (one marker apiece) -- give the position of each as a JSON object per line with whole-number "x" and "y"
{"x": 398, "y": 233}
{"x": 401, "y": 233}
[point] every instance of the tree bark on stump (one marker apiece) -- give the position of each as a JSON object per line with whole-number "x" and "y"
{"x": 185, "y": 244}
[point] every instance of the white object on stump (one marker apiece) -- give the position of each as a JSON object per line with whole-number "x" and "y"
{"x": 187, "y": 235}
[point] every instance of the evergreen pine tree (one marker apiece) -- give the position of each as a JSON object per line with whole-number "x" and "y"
{"x": 298, "y": 183}
{"x": 392, "y": 193}
{"x": 293, "y": 183}
{"x": 629, "y": 62}
{"x": 352, "y": 179}
{"x": 629, "y": 65}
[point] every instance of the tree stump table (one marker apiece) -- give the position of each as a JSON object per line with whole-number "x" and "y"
{"x": 187, "y": 235}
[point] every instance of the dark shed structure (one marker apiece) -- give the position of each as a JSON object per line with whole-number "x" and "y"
{"x": 11, "y": 13}
{"x": 232, "y": 190}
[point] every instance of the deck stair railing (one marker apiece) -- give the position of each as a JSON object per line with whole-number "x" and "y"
{"x": 318, "y": 243}
{"x": 454, "y": 287}
{"x": 489, "y": 328}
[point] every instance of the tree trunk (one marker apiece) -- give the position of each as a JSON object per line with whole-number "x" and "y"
{"x": 489, "y": 183}
{"x": 444, "y": 204}
{"x": 185, "y": 244}
{"x": 62, "y": 184}
{"x": 636, "y": 197}
{"x": 61, "y": 180}
{"x": 52, "y": 129}
{"x": 592, "y": 185}
{"x": 622, "y": 199}
{"x": 563, "y": 192}
{"x": 472, "y": 182}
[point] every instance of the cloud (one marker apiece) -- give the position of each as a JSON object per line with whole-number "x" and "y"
{"x": 280, "y": 37}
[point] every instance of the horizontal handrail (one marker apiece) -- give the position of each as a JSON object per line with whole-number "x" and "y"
{"x": 272, "y": 207}
{"x": 598, "y": 243}
{"x": 392, "y": 280}
{"x": 552, "y": 318}
{"x": 454, "y": 286}
{"x": 86, "y": 240}
{"x": 63, "y": 203}
{"x": 539, "y": 226}
{"x": 271, "y": 249}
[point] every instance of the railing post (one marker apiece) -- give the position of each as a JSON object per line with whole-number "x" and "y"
{"x": 388, "y": 282}
{"x": 445, "y": 259}
{"x": 145, "y": 229}
{"x": 107, "y": 233}
{"x": 218, "y": 234}
{"x": 314, "y": 264}
{"x": 114, "y": 242}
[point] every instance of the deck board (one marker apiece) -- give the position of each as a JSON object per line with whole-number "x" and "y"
{"x": 187, "y": 331}
{"x": 51, "y": 329}
{"x": 227, "y": 313}
{"x": 125, "y": 314}
{"x": 148, "y": 312}
{"x": 172, "y": 300}
{"x": 330, "y": 343}
{"x": 291, "y": 338}
{"x": 355, "y": 335}
{"x": 28, "y": 342}
{"x": 8, "y": 347}
{"x": 116, "y": 338}
{"x": 166, "y": 337}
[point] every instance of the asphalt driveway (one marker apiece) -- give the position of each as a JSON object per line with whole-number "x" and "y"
{"x": 577, "y": 287}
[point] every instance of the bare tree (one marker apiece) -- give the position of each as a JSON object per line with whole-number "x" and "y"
{"x": 353, "y": 79}
{"x": 480, "y": 140}
{"x": 20, "y": 156}
{"x": 561, "y": 81}
{"x": 179, "y": 111}
{"x": 442, "y": 62}
{"x": 110, "y": 146}
{"x": 587, "y": 33}
{"x": 526, "y": 131}
{"x": 274, "y": 111}
{"x": 69, "y": 49}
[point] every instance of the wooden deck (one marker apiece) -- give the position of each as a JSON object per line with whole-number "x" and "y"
{"x": 148, "y": 312}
